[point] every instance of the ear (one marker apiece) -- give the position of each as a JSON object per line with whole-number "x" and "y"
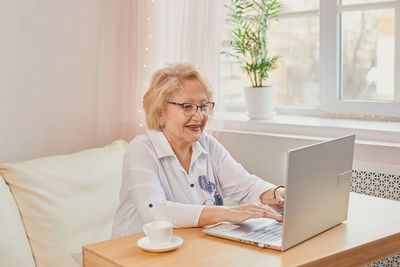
{"x": 161, "y": 119}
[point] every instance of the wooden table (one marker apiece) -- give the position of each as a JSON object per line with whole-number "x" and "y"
{"x": 372, "y": 232}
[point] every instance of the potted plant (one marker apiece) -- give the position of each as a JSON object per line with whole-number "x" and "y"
{"x": 249, "y": 20}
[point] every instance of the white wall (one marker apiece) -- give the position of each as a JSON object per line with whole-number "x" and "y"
{"x": 265, "y": 154}
{"x": 64, "y": 75}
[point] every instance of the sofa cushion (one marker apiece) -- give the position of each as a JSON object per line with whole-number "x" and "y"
{"x": 67, "y": 201}
{"x": 14, "y": 246}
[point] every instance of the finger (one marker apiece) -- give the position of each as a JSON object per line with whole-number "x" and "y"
{"x": 249, "y": 210}
{"x": 280, "y": 201}
{"x": 253, "y": 214}
{"x": 269, "y": 208}
{"x": 252, "y": 207}
{"x": 247, "y": 207}
{"x": 275, "y": 216}
{"x": 260, "y": 208}
{"x": 257, "y": 207}
{"x": 259, "y": 211}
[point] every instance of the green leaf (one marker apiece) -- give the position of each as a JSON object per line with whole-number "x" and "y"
{"x": 249, "y": 20}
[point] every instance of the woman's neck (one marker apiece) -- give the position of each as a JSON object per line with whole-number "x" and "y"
{"x": 184, "y": 157}
{"x": 183, "y": 152}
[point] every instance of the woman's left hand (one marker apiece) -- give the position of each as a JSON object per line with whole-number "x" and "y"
{"x": 280, "y": 194}
{"x": 268, "y": 197}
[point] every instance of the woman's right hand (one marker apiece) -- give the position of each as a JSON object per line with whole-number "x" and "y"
{"x": 238, "y": 214}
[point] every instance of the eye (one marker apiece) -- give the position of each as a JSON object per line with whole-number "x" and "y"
{"x": 188, "y": 107}
{"x": 205, "y": 107}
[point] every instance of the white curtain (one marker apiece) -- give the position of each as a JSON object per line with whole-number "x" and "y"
{"x": 171, "y": 31}
{"x": 64, "y": 76}
{"x": 73, "y": 73}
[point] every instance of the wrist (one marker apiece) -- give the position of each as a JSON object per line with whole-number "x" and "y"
{"x": 226, "y": 214}
{"x": 276, "y": 189}
{"x": 267, "y": 196}
{"x": 270, "y": 195}
{"x": 214, "y": 214}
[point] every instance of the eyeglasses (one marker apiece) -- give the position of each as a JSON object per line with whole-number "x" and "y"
{"x": 189, "y": 109}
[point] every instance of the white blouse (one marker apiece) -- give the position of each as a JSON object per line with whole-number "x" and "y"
{"x": 155, "y": 186}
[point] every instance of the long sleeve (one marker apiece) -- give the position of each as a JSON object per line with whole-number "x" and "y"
{"x": 142, "y": 184}
{"x": 235, "y": 181}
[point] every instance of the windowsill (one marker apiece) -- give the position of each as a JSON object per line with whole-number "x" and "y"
{"x": 380, "y": 133}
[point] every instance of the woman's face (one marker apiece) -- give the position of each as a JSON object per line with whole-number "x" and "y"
{"x": 181, "y": 130}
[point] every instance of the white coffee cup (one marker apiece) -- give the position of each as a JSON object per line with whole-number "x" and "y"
{"x": 159, "y": 233}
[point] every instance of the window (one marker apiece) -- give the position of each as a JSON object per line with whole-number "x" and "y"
{"x": 337, "y": 57}
{"x": 297, "y": 74}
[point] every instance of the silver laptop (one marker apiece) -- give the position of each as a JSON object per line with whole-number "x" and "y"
{"x": 318, "y": 181}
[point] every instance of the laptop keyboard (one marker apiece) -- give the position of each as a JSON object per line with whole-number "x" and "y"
{"x": 269, "y": 233}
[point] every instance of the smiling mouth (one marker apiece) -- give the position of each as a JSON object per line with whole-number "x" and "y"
{"x": 194, "y": 128}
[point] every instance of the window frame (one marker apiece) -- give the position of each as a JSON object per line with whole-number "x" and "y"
{"x": 330, "y": 60}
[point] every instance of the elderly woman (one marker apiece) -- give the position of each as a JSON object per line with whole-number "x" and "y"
{"x": 178, "y": 172}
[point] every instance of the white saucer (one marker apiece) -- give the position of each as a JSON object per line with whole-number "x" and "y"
{"x": 145, "y": 244}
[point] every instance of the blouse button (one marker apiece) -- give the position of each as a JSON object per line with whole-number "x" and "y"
{"x": 150, "y": 205}
{"x": 192, "y": 185}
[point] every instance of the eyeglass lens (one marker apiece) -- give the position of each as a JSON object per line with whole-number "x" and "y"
{"x": 190, "y": 109}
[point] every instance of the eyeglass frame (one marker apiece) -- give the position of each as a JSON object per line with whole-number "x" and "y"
{"x": 197, "y": 106}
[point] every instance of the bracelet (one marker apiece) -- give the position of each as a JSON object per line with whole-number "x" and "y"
{"x": 281, "y": 186}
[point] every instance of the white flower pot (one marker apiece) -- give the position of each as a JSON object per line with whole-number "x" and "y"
{"x": 260, "y": 102}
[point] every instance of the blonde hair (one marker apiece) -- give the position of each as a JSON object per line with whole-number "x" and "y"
{"x": 165, "y": 82}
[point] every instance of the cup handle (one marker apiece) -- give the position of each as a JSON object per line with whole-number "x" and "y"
{"x": 144, "y": 229}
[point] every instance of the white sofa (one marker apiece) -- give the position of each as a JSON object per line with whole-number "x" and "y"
{"x": 50, "y": 207}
